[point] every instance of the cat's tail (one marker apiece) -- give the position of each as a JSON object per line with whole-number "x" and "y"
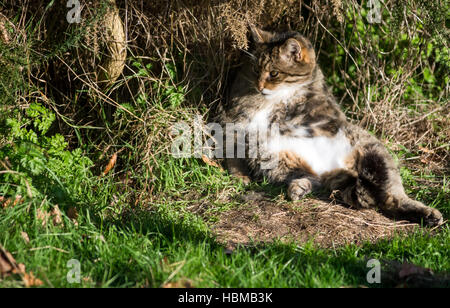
{"x": 374, "y": 181}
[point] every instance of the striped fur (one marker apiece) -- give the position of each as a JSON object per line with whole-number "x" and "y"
{"x": 286, "y": 87}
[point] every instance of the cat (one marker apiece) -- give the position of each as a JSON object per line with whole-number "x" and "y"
{"x": 281, "y": 85}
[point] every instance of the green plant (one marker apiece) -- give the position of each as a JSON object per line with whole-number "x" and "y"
{"x": 38, "y": 164}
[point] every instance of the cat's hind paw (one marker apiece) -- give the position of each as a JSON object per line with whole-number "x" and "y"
{"x": 433, "y": 218}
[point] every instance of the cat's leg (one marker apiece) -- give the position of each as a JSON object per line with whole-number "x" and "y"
{"x": 379, "y": 179}
{"x": 238, "y": 168}
{"x": 299, "y": 187}
{"x": 343, "y": 185}
{"x": 292, "y": 170}
{"x": 403, "y": 207}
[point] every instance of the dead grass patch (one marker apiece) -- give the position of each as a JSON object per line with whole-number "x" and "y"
{"x": 326, "y": 224}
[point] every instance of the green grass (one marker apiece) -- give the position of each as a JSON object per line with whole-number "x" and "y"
{"x": 152, "y": 250}
{"x": 123, "y": 243}
{"x": 162, "y": 242}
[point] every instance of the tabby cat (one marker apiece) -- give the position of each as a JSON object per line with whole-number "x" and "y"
{"x": 282, "y": 84}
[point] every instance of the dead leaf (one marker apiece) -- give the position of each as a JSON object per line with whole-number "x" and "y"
{"x": 18, "y": 200}
{"x": 25, "y": 237}
{"x": 210, "y": 162}
{"x": 182, "y": 283}
{"x": 425, "y": 150}
{"x": 87, "y": 280}
{"x": 57, "y": 217}
{"x": 407, "y": 275}
{"x": 72, "y": 213}
{"x": 30, "y": 281}
{"x": 164, "y": 262}
{"x": 111, "y": 164}
{"x": 42, "y": 216}
{"x": 20, "y": 269}
{"x": 8, "y": 264}
{"x": 4, "y": 34}
{"x": 5, "y": 202}
{"x": 100, "y": 238}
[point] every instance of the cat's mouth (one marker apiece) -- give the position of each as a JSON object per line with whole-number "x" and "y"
{"x": 267, "y": 92}
{"x": 282, "y": 93}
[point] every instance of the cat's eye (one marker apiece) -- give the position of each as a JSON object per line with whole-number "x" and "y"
{"x": 273, "y": 74}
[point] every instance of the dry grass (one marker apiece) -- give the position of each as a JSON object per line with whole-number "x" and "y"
{"x": 325, "y": 223}
{"x": 115, "y": 38}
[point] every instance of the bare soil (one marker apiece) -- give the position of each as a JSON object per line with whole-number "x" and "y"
{"x": 258, "y": 219}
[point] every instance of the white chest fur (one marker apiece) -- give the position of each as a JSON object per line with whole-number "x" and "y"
{"x": 321, "y": 153}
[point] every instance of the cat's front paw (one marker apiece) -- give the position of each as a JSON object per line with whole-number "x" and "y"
{"x": 298, "y": 188}
{"x": 244, "y": 179}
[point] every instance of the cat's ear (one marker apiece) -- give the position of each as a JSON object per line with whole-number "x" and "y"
{"x": 260, "y": 36}
{"x": 292, "y": 50}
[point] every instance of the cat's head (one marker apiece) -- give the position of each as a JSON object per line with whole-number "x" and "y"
{"x": 282, "y": 60}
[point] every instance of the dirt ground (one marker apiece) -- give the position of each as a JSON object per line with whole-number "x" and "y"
{"x": 258, "y": 219}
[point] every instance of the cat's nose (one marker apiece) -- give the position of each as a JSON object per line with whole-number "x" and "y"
{"x": 260, "y": 86}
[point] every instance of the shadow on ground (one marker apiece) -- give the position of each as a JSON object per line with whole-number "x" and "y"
{"x": 262, "y": 230}
{"x": 260, "y": 219}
